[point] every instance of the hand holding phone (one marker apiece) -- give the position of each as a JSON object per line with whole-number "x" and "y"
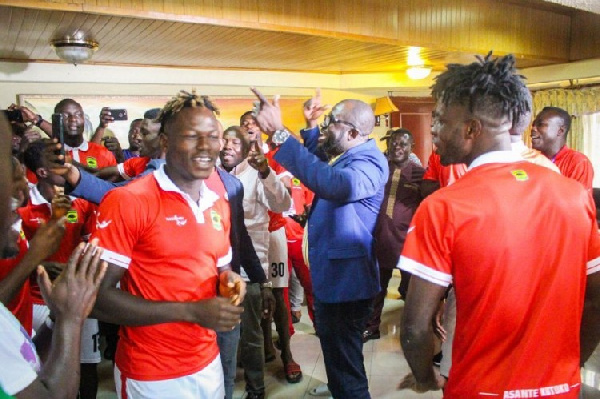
{"x": 58, "y": 132}
{"x": 118, "y": 114}
{"x": 14, "y": 115}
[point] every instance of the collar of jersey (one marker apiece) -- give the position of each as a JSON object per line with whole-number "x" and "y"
{"x": 82, "y": 147}
{"x": 37, "y": 198}
{"x": 495, "y": 157}
{"x": 207, "y": 196}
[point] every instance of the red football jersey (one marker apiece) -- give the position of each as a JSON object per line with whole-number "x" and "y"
{"x": 80, "y": 224}
{"x": 21, "y": 305}
{"x": 92, "y": 155}
{"x": 301, "y": 197}
{"x": 575, "y": 165}
{"x": 482, "y": 234}
{"x": 445, "y": 175}
{"x": 171, "y": 248}
{"x": 133, "y": 167}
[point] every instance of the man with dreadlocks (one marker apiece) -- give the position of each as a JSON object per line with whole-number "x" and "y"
{"x": 513, "y": 338}
{"x": 166, "y": 239}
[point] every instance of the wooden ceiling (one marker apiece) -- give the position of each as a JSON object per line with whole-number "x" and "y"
{"x": 327, "y": 36}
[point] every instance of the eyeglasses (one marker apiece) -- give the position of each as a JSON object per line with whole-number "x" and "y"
{"x": 330, "y": 118}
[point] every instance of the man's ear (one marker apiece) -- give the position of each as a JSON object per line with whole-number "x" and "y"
{"x": 163, "y": 141}
{"x": 353, "y": 134}
{"x": 42, "y": 173}
{"x": 474, "y": 128}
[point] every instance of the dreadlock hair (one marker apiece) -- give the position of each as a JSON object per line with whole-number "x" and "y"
{"x": 490, "y": 86}
{"x": 562, "y": 114}
{"x": 184, "y": 100}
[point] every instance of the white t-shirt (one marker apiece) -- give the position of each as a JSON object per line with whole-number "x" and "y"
{"x": 19, "y": 359}
{"x": 260, "y": 196}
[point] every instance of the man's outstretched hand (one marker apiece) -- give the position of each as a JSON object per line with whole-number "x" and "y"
{"x": 268, "y": 115}
{"x": 73, "y": 294}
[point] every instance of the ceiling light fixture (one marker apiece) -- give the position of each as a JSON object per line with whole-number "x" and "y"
{"x": 418, "y": 72}
{"x": 417, "y": 69}
{"x": 75, "y": 48}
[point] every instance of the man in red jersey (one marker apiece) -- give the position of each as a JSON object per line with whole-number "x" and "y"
{"x": 512, "y": 336}
{"x": 166, "y": 239}
{"x": 549, "y": 135}
{"x": 43, "y": 206}
{"x": 437, "y": 175}
{"x": 24, "y": 256}
{"x": 90, "y": 155}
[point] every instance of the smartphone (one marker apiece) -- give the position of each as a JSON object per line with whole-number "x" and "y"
{"x": 119, "y": 114}
{"x": 13, "y": 115}
{"x": 58, "y": 132}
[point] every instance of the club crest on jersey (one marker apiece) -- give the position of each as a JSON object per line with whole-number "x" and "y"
{"x": 520, "y": 175}
{"x": 179, "y": 220}
{"x": 216, "y": 220}
{"x": 72, "y": 216}
{"x": 91, "y": 162}
{"x": 296, "y": 181}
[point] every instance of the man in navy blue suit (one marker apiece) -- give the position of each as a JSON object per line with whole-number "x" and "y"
{"x": 348, "y": 194}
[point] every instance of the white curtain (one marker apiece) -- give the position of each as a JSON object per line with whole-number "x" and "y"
{"x": 591, "y": 142}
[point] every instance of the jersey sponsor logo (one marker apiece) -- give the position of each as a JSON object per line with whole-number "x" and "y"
{"x": 537, "y": 392}
{"x": 91, "y": 162}
{"x": 72, "y": 216}
{"x": 179, "y": 220}
{"x": 37, "y": 220}
{"x": 103, "y": 225}
{"x": 520, "y": 175}
{"x": 216, "y": 220}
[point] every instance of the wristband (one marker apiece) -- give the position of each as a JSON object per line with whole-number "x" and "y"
{"x": 39, "y": 121}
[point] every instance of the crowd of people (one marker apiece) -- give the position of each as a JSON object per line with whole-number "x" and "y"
{"x": 180, "y": 253}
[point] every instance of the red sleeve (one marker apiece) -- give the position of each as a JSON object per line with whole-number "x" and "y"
{"x": 433, "y": 168}
{"x": 129, "y": 167}
{"x": 118, "y": 226}
{"x": 583, "y": 172}
{"x": 427, "y": 250}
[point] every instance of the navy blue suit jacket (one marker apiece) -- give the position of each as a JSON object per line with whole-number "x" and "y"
{"x": 348, "y": 195}
{"x": 93, "y": 189}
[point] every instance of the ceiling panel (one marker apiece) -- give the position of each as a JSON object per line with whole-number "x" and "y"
{"x": 26, "y": 35}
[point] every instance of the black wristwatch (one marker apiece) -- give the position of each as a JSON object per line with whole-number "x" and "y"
{"x": 39, "y": 121}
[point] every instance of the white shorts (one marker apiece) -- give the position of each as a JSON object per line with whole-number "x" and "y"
{"x": 206, "y": 384}
{"x": 90, "y": 334}
{"x": 278, "y": 259}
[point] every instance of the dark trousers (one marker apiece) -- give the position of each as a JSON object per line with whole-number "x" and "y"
{"x": 340, "y": 327}
{"x": 375, "y": 320}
